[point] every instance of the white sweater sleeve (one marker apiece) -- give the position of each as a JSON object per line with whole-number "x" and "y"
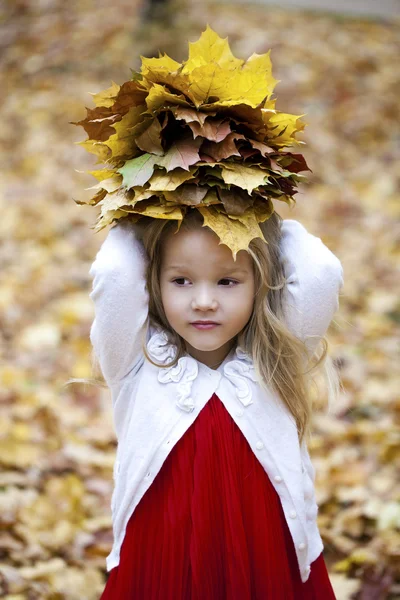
{"x": 314, "y": 278}
{"x": 120, "y": 300}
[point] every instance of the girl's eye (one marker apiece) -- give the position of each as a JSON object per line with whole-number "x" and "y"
{"x": 225, "y": 279}
{"x": 229, "y": 281}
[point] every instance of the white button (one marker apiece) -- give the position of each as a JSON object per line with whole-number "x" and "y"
{"x": 278, "y": 478}
{"x": 239, "y": 413}
{"x": 301, "y": 546}
{"x": 292, "y": 514}
{"x": 259, "y": 445}
{"x": 148, "y": 475}
{"x": 307, "y": 569}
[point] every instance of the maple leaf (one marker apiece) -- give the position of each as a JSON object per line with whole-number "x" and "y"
{"x": 247, "y": 178}
{"x": 122, "y": 143}
{"x": 235, "y": 200}
{"x": 182, "y": 153}
{"x": 210, "y": 48}
{"x": 294, "y": 162}
{"x": 234, "y": 232}
{"x": 224, "y": 149}
{"x": 159, "y": 96}
{"x": 190, "y": 115}
{"x": 98, "y": 123}
{"x": 106, "y": 97}
{"x": 121, "y": 147}
{"x": 169, "y": 181}
{"x": 214, "y": 130}
{"x": 159, "y": 69}
{"x": 111, "y": 184}
{"x": 102, "y": 174}
{"x": 150, "y": 139}
{"x": 113, "y": 201}
{"x": 262, "y": 148}
{"x": 285, "y": 126}
{"x": 158, "y": 211}
{"x": 131, "y": 93}
{"x": 137, "y": 171}
{"x": 208, "y": 80}
{"x": 191, "y": 195}
{"x": 102, "y": 151}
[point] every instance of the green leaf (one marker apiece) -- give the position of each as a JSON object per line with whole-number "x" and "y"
{"x": 137, "y": 172}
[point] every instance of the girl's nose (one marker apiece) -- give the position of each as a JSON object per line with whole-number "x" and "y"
{"x": 203, "y": 300}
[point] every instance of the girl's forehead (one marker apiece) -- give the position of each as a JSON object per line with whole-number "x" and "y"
{"x": 190, "y": 240}
{"x": 200, "y": 248}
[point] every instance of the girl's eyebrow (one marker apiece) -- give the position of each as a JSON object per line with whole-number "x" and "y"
{"x": 227, "y": 270}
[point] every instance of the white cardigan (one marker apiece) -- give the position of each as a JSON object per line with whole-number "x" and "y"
{"x": 153, "y": 407}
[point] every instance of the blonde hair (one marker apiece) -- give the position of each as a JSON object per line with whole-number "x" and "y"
{"x": 281, "y": 360}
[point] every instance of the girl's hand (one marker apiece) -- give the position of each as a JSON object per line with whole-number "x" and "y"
{"x": 314, "y": 279}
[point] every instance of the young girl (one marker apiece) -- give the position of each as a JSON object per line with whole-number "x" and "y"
{"x": 214, "y": 488}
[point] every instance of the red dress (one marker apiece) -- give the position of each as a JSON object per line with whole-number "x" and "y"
{"x": 211, "y": 526}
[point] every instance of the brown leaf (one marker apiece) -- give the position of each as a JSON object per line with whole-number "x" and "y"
{"x": 235, "y": 200}
{"x": 191, "y": 195}
{"x": 150, "y": 140}
{"x": 214, "y": 130}
{"x": 225, "y": 149}
{"x": 182, "y": 153}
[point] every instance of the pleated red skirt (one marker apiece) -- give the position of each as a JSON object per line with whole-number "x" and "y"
{"x": 211, "y": 526}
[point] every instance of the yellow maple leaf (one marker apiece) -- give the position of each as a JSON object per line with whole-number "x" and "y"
{"x": 262, "y": 208}
{"x": 110, "y": 184}
{"x": 142, "y": 194}
{"x": 159, "y": 96}
{"x": 158, "y": 211}
{"x": 98, "y": 148}
{"x": 101, "y": 174}
{"x": 286, "y": 125}
{"x": 106, "y": 97}
{"x": 114, "y": 201}
{"x": 234, "y": 232}
{"x": 122, "y": 143}
{"x": 210, "y": 48}
{"x": 209, "y": 80}
{"x": 249, "y": 85}
{"x": 108, "y": 218}
{"x": 247, "y": 178}
{"x": 122, "y": 147}
{"x": 159, "y": 69}
{"x": 161, "y": 181}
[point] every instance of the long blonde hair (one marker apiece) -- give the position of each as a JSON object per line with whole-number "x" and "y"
{"x": 281, "y": 360}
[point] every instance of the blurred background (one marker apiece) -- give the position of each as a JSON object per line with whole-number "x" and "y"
{"x": 336, "y": 63}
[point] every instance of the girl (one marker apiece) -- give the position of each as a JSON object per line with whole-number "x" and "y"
{"x": 214, "y": 487}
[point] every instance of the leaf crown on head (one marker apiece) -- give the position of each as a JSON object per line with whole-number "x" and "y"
{"x": 201, "y": 134}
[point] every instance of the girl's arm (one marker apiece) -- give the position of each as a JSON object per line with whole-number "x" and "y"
{"x": 314, "y": 278}
{"x": 121, "y": 301}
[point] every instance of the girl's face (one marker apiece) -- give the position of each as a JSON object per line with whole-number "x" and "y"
{"x": 201, "y": 282}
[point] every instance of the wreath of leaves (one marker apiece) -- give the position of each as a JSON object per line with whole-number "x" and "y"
{"x": 201, "y": 134}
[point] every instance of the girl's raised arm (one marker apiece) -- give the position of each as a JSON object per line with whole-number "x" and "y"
{"x": 314, "y": 278}
{"x": 121, "y": 301}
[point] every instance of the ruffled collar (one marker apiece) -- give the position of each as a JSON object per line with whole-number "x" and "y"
{"x": 238, "y": 367}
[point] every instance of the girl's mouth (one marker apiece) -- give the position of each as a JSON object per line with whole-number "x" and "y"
{"x": 205, "y": 325}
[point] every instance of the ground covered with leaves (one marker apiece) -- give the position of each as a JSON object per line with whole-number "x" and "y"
{"x": 57, "y": 444}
